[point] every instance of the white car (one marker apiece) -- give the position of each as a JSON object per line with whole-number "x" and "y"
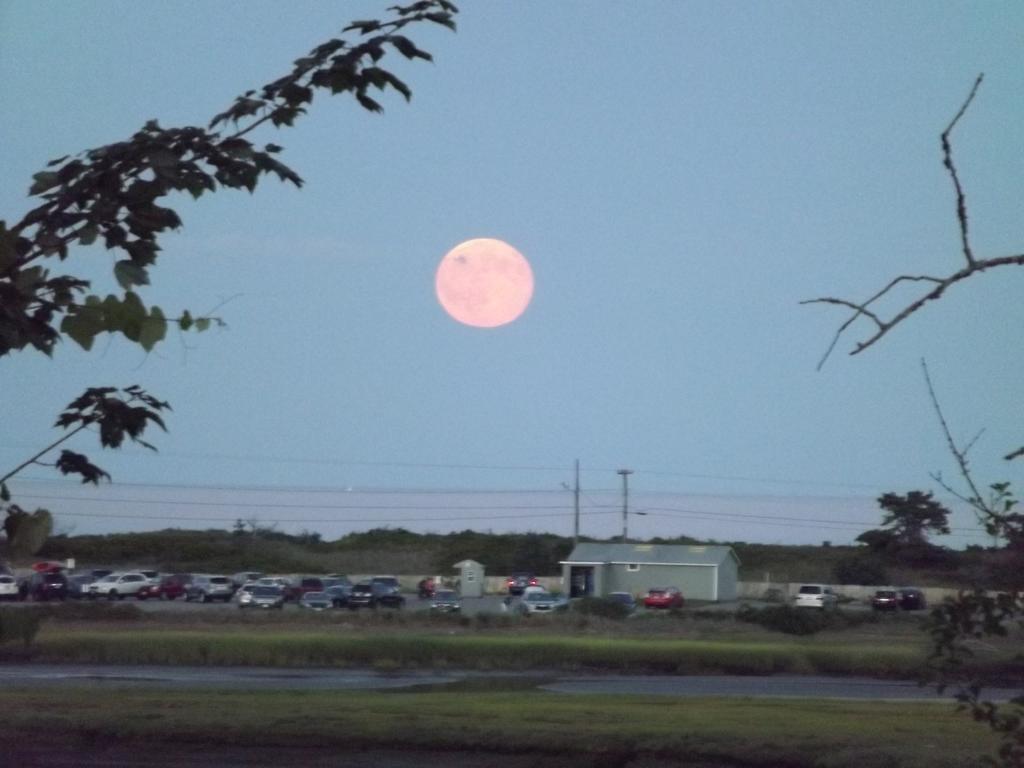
{"x": 541, "y": 602}
{"x": 8, "y": 587}
{"x": 117, "y": 586}
{"x": 818, "y": 596}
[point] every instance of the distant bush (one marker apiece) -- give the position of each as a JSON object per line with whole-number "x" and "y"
{"x": 861, "y": 568}
{"x": 20, "y": 624}
{"x": 797, "y": 621}
{"x": 601, "y": 606}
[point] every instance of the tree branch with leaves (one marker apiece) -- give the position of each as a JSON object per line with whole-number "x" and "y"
{"x": 116, "y": 195}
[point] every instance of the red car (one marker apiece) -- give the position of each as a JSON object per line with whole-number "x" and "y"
{"x": 172, "y": 587}
{"x": 664, "y": 597}
{"x": 151, "y": 590}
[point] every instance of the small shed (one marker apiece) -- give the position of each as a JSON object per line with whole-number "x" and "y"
{"x": 702, "y": 572}
{"x": 471, "y": 578}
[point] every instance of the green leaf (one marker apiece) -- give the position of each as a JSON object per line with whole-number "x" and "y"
{"x": 186, "y": 321}
{"x": 8, "y": 251}
{"x": 163, "y": 158}
{"x": 128, "y": 273}
{"x": 5, "y": 494}
{"x": 132, "y": 316}
{"x": 87, "y": 235}
{"x": 202, "y": 323}
{"x": 83, "y": 326}
{"x": 153, "y": 330}
{"x": 44, "y": 180}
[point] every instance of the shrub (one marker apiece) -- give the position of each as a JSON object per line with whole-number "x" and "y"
{"x": 601, "y": 606}
{"x": 20, "y": 624}
{"x": 794, "y": 621}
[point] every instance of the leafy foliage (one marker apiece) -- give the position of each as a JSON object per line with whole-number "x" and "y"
{"x": 909, "y": 519}
{"x": 26, "y": 532}
{"x": 860, "y": 569}
{"x": 117, "y": 195}
{"x": 797, "y": 621}
{"x": 20, "y": 624}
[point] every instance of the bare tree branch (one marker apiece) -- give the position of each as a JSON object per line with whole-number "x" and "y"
{"x": 947, "y": 160}
{"x": 959, "y": 454}
{"x": 940, "y": 284}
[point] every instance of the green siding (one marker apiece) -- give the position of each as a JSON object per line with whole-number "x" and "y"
{"x": 697, "y": 582}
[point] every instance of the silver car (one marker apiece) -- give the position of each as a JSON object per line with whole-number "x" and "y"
{"x": 205, "y": 588}
{"x": 540, "y": 603}
{"x": 316, "y": 601}
{"x": 260, "y": 596}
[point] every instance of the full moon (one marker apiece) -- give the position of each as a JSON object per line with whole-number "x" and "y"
{"x": 484, "y": 283}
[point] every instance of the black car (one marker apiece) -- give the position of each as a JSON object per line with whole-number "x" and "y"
{"x": 339, "y": 594}
{"x": 519, "y": 581}
{"x": 370, "y": 594}
{"x": 49, "y": 585}
{"x": 912, "y": 599}
{"x": 885, "y": 600}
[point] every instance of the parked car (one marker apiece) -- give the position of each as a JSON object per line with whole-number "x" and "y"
{"x": 519, "y": 581}
{"x": 78, "y": 585}
{"x": 282, "y": 583}
{"x": 815, "y": 596}
{"x": 371, "y": 594}
{"x": 316, "y": 601}
{"x": 391, "y": 582}
{"x": 152, "y": 589}
{"x": 445, "y": 601}
{"x": 244, "y": 577}
{"x": 118, "y": 586}
{"x": 243, "y": 594}
{"x": 174, "y": 585}
{"x": 664, "y": 597}
{"x": 425, "y": 588}
{"x": 46, "y": 585}
{"x": 297, "y": 589}
{"x": 8, "y": 587}
{"x": 885, "y": 600}
{"x": 623, "y": 598}
{"x": 336, "y": 580}
{"x": 541, "y": 603}
{"x": 339, "y": 594}
{"x": 205, "y": 588}
{"x": 912, "y": 599}
{"x": 260, "y": 596}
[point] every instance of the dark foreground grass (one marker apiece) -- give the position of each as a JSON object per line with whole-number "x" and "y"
{"x": 744, "y": 732}
{"x": 412, "y": 650}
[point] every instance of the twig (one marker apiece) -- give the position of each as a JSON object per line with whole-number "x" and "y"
{"x": 940, "y": 284}
{"x": 947, "y": 160}
{"x": 959, "y": 454}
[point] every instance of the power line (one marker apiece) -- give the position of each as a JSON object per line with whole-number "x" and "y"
{"x": 431, "y": 519}
{"x": 288, "y": 505}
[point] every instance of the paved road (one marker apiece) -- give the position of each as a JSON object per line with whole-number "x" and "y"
{"x": 788, "y": 686}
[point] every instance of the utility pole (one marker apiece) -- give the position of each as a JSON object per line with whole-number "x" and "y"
{"x": 625, "y": 503}
{"x": 576, "y": 507}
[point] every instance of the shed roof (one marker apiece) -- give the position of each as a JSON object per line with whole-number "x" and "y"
{"x": 590, "y": 553}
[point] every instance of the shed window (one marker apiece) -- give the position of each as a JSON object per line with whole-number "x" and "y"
{"x": 633, "y": 567}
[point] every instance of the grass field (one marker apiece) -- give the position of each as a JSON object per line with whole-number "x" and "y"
{"x": 393, "y": 640}
{"x": 320, "y": 647}
{"x": 560, "y": 730}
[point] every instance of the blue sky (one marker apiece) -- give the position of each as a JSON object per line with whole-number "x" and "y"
{"x": 679, "y": 175}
